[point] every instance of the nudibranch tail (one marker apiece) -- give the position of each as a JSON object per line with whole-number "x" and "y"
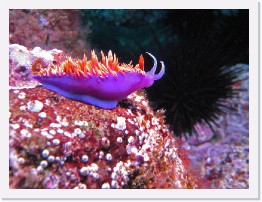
{"x": 153, "y": 70}
{"x": 100, "y": 83}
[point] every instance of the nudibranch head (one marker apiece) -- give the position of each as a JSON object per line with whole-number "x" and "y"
{"x": 100, "y": 83}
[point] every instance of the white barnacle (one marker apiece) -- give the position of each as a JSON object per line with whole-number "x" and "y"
{"x": 42, "y": 114}
{"x": 121, "y": 123}
{"x": 109, "y": 157}
{"x": 34, "y": 106}
{"x": 44, "y": 163}
{"x": 25, "y": 134}
{"x": 106, "y": 185}
{"x": 94, "y": 167}
{"x": 84, "y": 158}
{"x": 114, "y": 184}
{"x": 39, "y": 169}
{"x": 84, "y": 171}
{"x": 131, "y": 139}
{"x": 45, "y": 153}
{"x": 21, "y": 95}
{"x": 78, "y": 131}
{"x": 56, "y": 142}
{"x": 119, "y": 140}
{"x": 51, "y": 159}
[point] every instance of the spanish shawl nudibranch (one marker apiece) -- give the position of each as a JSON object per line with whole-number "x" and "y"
{"x": 103, "y": 83}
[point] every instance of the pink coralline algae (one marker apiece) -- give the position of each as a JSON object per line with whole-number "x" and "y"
{"x": 60, "y": 28}
{"x": 56, "y": 142}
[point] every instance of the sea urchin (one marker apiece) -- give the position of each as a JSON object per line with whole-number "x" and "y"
{"x": 201, "y": 76}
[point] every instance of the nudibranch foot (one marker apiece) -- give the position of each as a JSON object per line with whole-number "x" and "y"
{"x": 105, "y": 104}
{"x": 103, "y": 83}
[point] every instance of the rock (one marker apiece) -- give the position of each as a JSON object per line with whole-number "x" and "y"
{"x": 62, "y": 143}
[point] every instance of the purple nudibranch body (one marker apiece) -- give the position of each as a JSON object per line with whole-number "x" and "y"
{"x": 101, "y": 84}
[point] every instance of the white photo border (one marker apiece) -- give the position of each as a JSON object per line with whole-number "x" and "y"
{"x": 254, "y": 175}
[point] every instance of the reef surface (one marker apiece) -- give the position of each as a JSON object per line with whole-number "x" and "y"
{"x": 56, "y": 142}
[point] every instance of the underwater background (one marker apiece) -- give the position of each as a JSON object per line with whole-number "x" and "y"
{"x": 188, "y": 130}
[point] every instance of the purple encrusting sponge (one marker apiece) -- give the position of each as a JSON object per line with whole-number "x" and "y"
{"x": 101, "y": 84}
